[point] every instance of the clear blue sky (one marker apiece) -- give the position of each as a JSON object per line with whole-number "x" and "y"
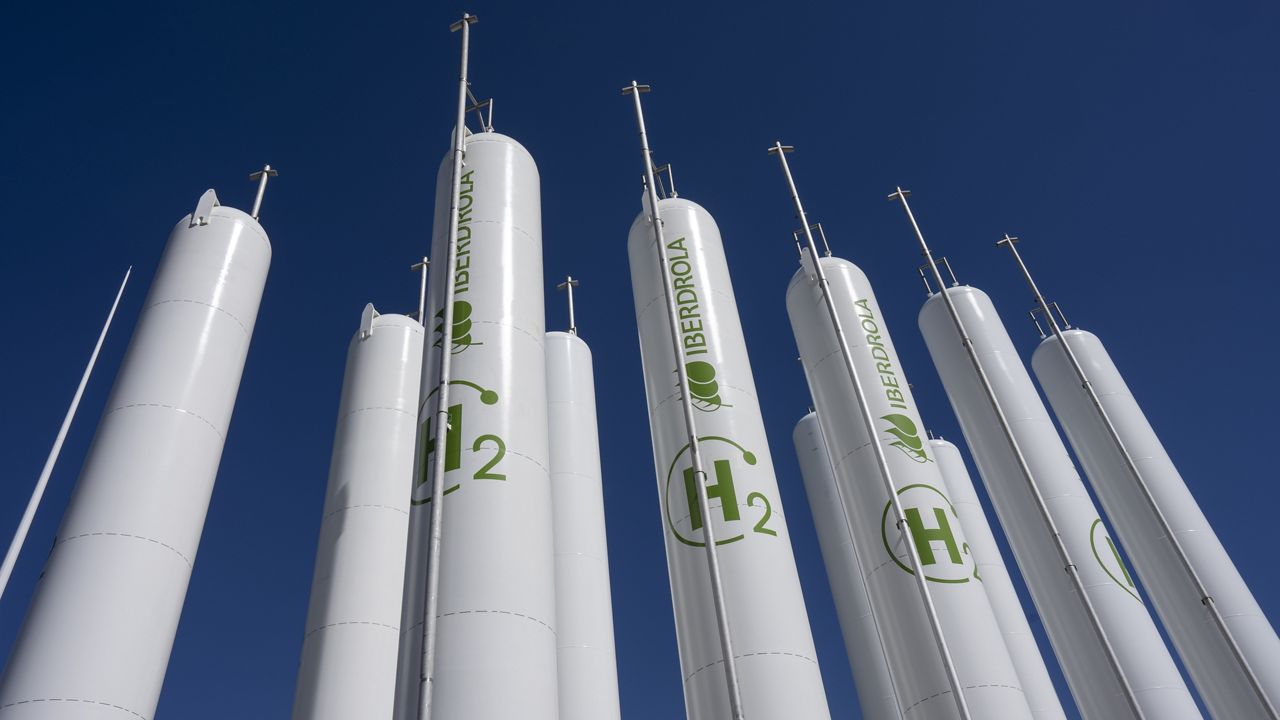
{"x": 1132, "y": 145}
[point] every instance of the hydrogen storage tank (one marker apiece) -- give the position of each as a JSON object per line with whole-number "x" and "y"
{"x": 588, "y": 667}
{"x": 1121, "y": 613}
{"x": 349, "y": 646}
{"x": 96, "y": 640}
{"x": 1214, "y": 670}
{"x": 776, "y": 662}
{"x": 496, "y": 627}
{"x": 862, "y": 640}
{"x": 990, "y": 566}
{"x": 990, "y": 683}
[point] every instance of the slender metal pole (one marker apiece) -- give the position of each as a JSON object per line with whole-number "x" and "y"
{"x": 1064, "y": 555}
{"x": 422, "y": 290}
{"x": 695, "y": 454}
{"x": 1205, "y": 598}
{"x": 261, "y": 176}
{"x": 569, "y": 284}
{"x": 429, "y": 611}
{"x": 864, "y": 408}
{"x": 24, "y": 525}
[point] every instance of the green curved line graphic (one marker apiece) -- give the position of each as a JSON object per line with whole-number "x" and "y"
{"x": 884, "y": 537}
{"x": 1094, "y": 547}
{"x": 747, "y": 456}
{"x": 488, "y": 397}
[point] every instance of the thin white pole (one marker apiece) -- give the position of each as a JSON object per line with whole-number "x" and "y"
{"x": 430, "y": 608}
{"x": 1042, "y": 506}
{"x": 864, "y": 408}
{"x": 24, "y": 526}
{"x": 261, "y": 176}
{"x": 695, "y": 455}
{"x": 568, "y": 285}
{"x": 1205, "y": 598}
{"x": 422, "y": 290}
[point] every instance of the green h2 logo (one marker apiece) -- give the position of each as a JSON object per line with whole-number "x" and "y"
{"x": 723, "y": 488}
{"x": 931, "y": 525}
{"x": 453, "y": 442}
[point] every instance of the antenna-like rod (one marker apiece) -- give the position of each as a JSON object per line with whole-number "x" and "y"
{"x": 569, "y": 284}
{"x": 1165, "y": 528}
{"x": 24, "y": 525}
{"x": 261, "y": 176}
{"x": 1064, "y": 556}
{"x": 864, "y": 408}
{"x": 430, "y": 608}
{"x": 695, "y": 454}
{"x": 424, "y": 266}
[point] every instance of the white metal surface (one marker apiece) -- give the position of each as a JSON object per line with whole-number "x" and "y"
{"x": 97, "y": 637}
{"x": 1027, "y": 659}
{"x": 588, "y": 668}
{"x": 986, "y": 672}
{"x": 37, "y": 494}
{"x": 776, "y": 661}
{"x": 1214, "y": 671}
{"x": 1146, "y": 661}
{"x": 496, "y": 639}
{"x": 348, "y": 666}
{"x": 862, "y": 641}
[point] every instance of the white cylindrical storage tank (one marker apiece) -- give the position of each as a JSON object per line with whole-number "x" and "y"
{"x": 862, "y": 641}
{"x": 349, "y": 646}
{"x": 496, "y": 636}
{"x": 1214, "y": 670}
{"x": 588, "y": 666}
{"x": 776, "y": 661}
{"x": 1027, "y": 659}
{"x": 97, "y": 638}
{"x": 987, "y": 676}
{"x": 1129, "y": 627}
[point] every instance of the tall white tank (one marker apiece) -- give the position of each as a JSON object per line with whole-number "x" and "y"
{"x": 496, "y": 631}
{"x": 349, "y": 648}
{"x": 776, "y": 661}
{"x": 1027, "y": 659}
{"x": 991, "y": 685}
{"x": 1216, "y": 674}
{"x": 862, "y": 640}
{"x": 588, "y": 666}
{"x": 97, "y": 637}
{"x": 1137, "y": 643}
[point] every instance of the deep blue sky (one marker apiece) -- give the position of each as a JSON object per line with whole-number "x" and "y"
{"x": 1132, "y": 145}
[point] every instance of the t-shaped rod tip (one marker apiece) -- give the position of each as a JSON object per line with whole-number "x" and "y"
{"x": 261, "y": 176}
{"x": 899, "y": 194}
{"x": 1006, "y": 240}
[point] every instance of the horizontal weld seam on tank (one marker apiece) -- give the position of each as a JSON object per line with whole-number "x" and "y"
{"x": 515, "y": 228}
{"x": 385, "y": 626}
{"x": 378, "y": 407}
{"x": 402, "y": 511}
{"x": 851, "y": 453}
{"x": 676, "y": 395}
{"x": 498, "y": 612}
{"x": 538, "y": 336}
{"x": 586, "y": 556}
{"x": 533, "y": 462}
{"x": 948, "y": 692}
{"x": 201, "y": 418}
{"x": 197, "y": 302}
{"x": 175, "y": 550}
{"x": 73, "y": 700}
{"x": 741, "y": 505}
{"x": 747, "y": 655}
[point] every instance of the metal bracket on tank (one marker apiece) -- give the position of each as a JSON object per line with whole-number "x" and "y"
{"x": 486, "y": 118}
{"x": 1066, "y": 324}
{"x": 924, "y": 277}
{"x": 671, "y": 179}
{"x": 204, "y": 208}
{"x": 826, "y": 248}
{"x": 366, "y": 321}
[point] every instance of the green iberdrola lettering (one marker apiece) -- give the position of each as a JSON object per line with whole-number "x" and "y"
{"x": 877, "y": 342}
{"x": 462, "y": 266}
{"x": 693, "y": 338}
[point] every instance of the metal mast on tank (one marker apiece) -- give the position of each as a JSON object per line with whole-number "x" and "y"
{"x": 261, "y": 176}
{"x": 686, "y": 402}
{"x": 424, "y": 266}
{"x": 442, "y": 402}
{"x": 957, "y": 690}
{"x": 24, "y": 525}
{"x": 569, "y": 284}
{"x": 1205, "y": 598}
{"x": 1042, "y": 506}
